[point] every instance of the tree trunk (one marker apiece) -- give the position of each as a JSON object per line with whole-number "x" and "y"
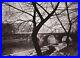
{"x": 36, "y": 43}
{"x": 34, "y": 36}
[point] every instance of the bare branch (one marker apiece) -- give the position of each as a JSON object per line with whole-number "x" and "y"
{"x": 34, "y": 5}
{"x": 34, "y": 19}
{"x": 59, "y": 19}
{"x": 18, "y": 9}
{"x": 43, "y": 8}
{"x": 61, "y": 23}
{"x": 68, "y": 17}
{"x": 65, "y": 9}
{"x": 74, "y": 20}
{"x": 43, "y": 21}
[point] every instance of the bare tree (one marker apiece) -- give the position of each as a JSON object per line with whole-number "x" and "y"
{"x": 37, "y": 26}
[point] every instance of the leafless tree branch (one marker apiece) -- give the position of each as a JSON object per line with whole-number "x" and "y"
{"x": 18, "y": 9}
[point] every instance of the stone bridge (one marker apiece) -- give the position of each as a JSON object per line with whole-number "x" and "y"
{"x": 44, "y": 36}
